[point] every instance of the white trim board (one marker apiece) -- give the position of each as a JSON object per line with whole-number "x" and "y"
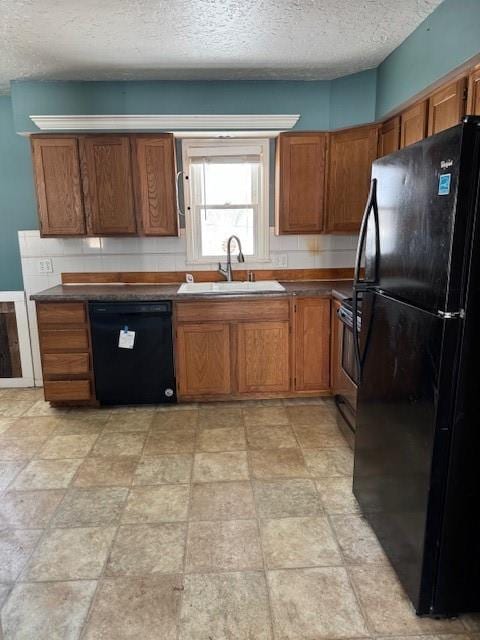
{"x": 164, "y": 122}
{"x": 18, "y": 298}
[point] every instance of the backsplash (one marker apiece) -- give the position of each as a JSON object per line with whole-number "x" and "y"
{"x": 156, "y": 254}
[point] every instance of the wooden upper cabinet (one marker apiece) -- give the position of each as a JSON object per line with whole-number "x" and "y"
{"x": 155, "y": 184}
{"x": 389, "y": 137}
{"x": 263, "y": 357}
{"x": 473, "y": 100}
{"x": 108, "y": 185}
{"x": 56, "y": 168}
{"x": 203, "y": 359}
{"x": 312, "y": 344}
{"x": 446, "y": 107}
{"x": 351, "y": 154}
{"x": 414, "y": 124}
{"x": 300, "y": 184}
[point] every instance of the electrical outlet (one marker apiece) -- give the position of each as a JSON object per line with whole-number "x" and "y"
{"x": 280, "y": 260}
{"x": 44, "y": 265}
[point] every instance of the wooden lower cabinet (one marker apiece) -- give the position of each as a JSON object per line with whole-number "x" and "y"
{"x": 67, "y": 390}
{"x": 263, "y": 357}
{"x": 203, "y": 359}
{"x": 65, "y": 351}
{"x": 312, "y": 344}
{"x": 259, "y": 348}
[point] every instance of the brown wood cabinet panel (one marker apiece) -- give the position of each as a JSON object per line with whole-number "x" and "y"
{"x": 301, "y": 160}
{"x": 65, "y": 364}
{"x": 473, "y": 99}
{"x": 263, "y": 357}
{"x": 312, "y": 344}
{"x": 67, "y": 390}
{"x": 155, "y": 184}
{"x": 351, "y": 154}
{"x": 446, "y": 107}
{"x": 414, "y": 124}
{"x": 107, "y": 185}
{"x": 61, "y": 313}
{"x": 64, "y": 340}
{"x": 203, "y": 359}
{"x": 389, "y": 137}
{"x": 56, "y": 166}
{"x": 208, "y": 311}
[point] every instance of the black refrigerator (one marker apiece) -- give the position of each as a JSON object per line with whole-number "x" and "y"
{"x": 417, "y": 449}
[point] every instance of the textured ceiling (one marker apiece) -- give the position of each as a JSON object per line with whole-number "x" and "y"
{"x": 200, "y": 39}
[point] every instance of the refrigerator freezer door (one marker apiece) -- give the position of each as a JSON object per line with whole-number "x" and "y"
{"x": 397, "y": 434}
{"x": 424, "y": 196}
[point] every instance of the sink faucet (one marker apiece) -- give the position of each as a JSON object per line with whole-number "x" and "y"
{"x": 227, "y": 272}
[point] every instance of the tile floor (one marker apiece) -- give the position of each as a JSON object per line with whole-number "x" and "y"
{"x": 200, "y": 522}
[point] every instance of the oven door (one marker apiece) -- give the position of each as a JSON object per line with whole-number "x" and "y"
{"x": 346, "y": 387}
{"x": 349, "y": 362}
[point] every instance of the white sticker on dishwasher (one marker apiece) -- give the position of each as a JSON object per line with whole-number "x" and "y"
{"x": 126, "y": 339}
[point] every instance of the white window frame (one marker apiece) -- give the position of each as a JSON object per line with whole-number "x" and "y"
{"x": 213, "y": 147}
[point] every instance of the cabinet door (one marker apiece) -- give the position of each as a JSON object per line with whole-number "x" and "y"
{"x": 312, "y": 344}
{"x": 413, "y": 124}
{"x": 473, "y": 101}
{"x": 446, "y": 107}
{"x": 155, "y": 185}
{"x": 203, "y": 359}
{"x": 107, "y": 185}
{"x": 263, "y": 357}
{"x": 300, "y": 196}
{"x": 56, "y": 167}
{"x": 350, "y": 162}
{"x": 389, "y": 137}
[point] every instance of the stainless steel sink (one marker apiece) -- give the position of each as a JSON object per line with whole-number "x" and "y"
{"x": 230, "y": 287}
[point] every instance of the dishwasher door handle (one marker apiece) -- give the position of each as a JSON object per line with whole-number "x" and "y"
{"x": 115, "y": 308}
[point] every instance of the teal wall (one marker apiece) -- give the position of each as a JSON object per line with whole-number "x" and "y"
{"x": 446, "y": 39}
{"x": 310, "y": 99}
{"x": 352, "y": 99}
{"x": 449, "y": 37}
{"x": 17, "y": 200}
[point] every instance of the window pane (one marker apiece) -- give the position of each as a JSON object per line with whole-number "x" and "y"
{"x": 227, "y": 183}
{"x": 218, "y": 225}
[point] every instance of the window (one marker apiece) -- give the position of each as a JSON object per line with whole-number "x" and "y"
{"x": 227, "y": 194}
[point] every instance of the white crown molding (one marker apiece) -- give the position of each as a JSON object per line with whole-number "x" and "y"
{"x": 164, "y": 122}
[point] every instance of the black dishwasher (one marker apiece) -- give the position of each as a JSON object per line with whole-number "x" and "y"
{"x": 132, "y": 352}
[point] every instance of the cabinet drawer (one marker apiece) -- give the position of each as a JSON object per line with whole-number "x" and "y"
{"x": 64, "y": 340}
{"x": 66, "y": 363}
{"x": 61, "y": 313}
{"x": 66, "y": 390}
{"x": 229, "y": 311}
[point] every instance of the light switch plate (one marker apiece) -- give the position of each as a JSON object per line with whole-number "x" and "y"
{"x": 44, "y": 265}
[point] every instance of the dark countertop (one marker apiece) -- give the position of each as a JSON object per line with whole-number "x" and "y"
{"x": 114, "y": 292}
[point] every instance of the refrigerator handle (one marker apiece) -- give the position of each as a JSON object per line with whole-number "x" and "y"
{"x": 358, "y": 283}
{"x": 371, "y": 205}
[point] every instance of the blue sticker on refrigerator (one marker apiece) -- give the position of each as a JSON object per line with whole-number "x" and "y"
{"x": 444, "y": 184}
